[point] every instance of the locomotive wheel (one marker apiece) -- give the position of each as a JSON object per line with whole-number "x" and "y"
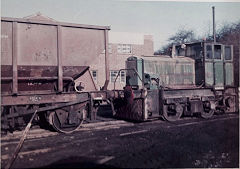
{"x": 208, "y": 110}
{"x": 173, "y": 115}
{"x": 230, "y": 104}
{"x": 66, "y": 122}
{"x": 207, "y": 114}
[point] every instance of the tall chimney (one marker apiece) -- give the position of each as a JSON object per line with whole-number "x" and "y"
{"x": 214, "y": 33}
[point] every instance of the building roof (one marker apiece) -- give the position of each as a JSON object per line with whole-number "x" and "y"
{"x": 41, "y": 19}
{"x": 167, "y": 58}
{"x": 39, "y": 16}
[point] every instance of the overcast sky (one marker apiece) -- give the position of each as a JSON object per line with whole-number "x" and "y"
{"x": 159, "y": 18}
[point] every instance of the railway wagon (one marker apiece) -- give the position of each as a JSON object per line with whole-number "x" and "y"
{"x": 179, "y": 86}
{"x": 45, "y": 68}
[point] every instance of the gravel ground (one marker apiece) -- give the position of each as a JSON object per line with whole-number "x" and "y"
{"x": 189, "y": 143}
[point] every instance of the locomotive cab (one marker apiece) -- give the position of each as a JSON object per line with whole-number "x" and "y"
{"x": 214, "y": 68}
{"x": 213, "y": 63}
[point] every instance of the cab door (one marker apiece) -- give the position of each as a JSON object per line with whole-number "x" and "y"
{"x": 228, "y": 65}
{"x": 214, "y": 65}
{"x": 209, "y": 62}
{"x": 218, "y": 65}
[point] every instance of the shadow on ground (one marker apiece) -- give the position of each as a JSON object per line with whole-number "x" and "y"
{"x": 77, "y": 162}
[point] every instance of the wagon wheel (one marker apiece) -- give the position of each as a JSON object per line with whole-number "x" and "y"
{"x": 172, "y": 115}
{"x": 230, "y": 103}
{"x": 65, "y": 121}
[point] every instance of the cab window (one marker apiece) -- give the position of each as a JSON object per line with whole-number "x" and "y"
{"x": 209, "y": 54}
{"x": 228, "y": 52}
{"x": 217, "y": 51}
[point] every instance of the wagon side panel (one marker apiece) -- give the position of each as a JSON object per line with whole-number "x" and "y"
{"x": 84, "y": 47}
{"x": 6, "y": 55}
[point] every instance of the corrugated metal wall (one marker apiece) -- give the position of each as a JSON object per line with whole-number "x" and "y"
{"x": 172, "y": 71}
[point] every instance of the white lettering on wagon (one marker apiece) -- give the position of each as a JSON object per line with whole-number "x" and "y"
{"x": 34, "y": 83}
{"x": 35, "y": 98}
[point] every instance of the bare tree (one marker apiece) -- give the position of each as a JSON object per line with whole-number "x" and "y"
{"x": 181, "y": 36}
{"x": 165, "y": 50}
{"x": 228, "y": 34}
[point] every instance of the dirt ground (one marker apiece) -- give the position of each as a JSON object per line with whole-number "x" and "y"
{"x": 190, "y": 143}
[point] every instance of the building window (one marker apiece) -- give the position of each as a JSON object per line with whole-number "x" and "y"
{"x": 94, "y": 75}
{"x": 113, "y": 75}
{"x": 121, "y": 77}
{"x": 124, "y": 48}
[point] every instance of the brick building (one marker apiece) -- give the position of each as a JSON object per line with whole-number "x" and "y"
{"x": 121, "y": 46}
